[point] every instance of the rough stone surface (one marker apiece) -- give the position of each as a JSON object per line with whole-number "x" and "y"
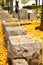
{"x": 22, "y": 14}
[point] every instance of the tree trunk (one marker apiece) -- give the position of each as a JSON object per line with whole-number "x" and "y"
{"x": 36, "y": 2}
{"x": 39, "y": 2}
{"x": 7, "y": 2}
{"x": 41, "y": 26}
{"x": 11, "y": 6}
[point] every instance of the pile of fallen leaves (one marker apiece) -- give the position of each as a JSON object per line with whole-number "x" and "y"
{"x": 3, "y": 51}
{"x": 38, "y": 33}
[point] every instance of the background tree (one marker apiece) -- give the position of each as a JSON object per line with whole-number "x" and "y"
{"x": 39, "y": 2}
{"x": 41, "y": 26}
{"x": 7, "y": 2}
{"x": 11, "y": 6}
{"x": 36, "y": 2}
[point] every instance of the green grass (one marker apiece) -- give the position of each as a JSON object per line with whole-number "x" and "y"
{"x": 33, "y": 6}
{"x": 6, "y": 8}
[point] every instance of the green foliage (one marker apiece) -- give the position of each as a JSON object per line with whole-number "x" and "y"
{"x": 6, "y": 8}
{"x": 33, "y": 7}
{"x": 37, "y": 10}
{"x": 33, "y": 4}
